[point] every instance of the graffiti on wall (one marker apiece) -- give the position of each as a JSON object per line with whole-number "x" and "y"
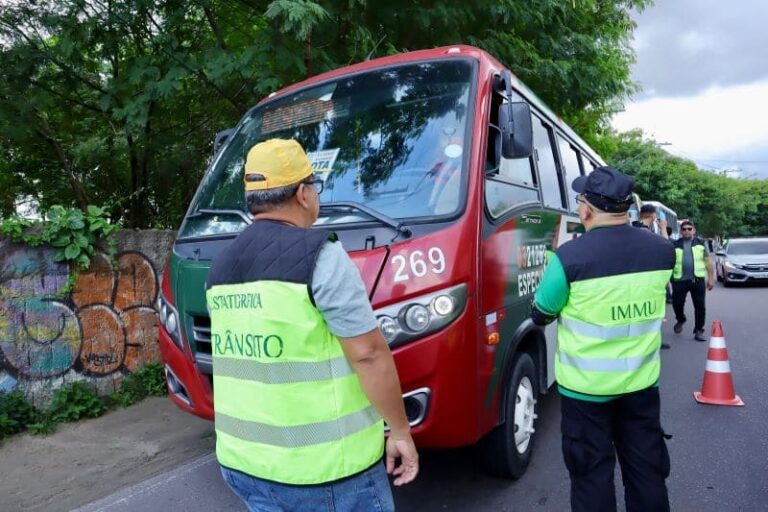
{"x": 106, "y": 325}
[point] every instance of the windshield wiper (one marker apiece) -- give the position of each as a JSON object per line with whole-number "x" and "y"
{"x": 209, "y": 212}
{"x": 384, "y": 219}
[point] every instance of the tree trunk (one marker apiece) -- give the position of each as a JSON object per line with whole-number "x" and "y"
{"x": 77, "y": 186}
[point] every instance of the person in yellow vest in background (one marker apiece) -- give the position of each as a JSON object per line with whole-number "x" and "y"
{"x": 692, "y": 267}
{"x": 301, "y": 373}
{"x": 607, "y": 291}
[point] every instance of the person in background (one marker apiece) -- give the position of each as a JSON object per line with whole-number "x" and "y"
{"x": 649, "y": 219}
{"x": 606, "y": 290}
{"x": 303, "y": 376}
{"x": 694, "y": 274}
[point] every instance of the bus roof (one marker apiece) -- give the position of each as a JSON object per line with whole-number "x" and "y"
{"x": 443, "y": 52}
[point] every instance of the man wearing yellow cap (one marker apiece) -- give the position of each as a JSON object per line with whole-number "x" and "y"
{"x": 301, "y": 373}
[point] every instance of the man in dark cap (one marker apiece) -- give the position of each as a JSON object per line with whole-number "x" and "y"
{"x": 606, "y": 289}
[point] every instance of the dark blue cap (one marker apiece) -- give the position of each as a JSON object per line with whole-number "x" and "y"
{"x": 607, "y": 189}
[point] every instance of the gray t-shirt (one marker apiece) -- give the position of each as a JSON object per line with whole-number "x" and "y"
{"x": 688, "y": 274}
{"x": 340, "y": 294}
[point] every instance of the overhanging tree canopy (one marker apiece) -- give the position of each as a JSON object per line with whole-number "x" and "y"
{"x": 107, "y": 101}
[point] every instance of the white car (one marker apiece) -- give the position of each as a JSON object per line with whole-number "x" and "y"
{"x": 743, "y": 260}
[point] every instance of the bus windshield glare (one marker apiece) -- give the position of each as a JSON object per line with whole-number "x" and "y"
{"x": 393, "y": 139}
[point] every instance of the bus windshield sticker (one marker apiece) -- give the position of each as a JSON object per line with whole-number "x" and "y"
{"x": 453, "y": 150}
{"x": 302, "y": 114}
{"x": 322, "y": 161}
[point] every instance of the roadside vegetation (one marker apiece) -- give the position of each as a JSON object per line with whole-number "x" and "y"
{"x": 103, "y": 102}
{"x": 77, "y": 401}
{"x": 719, "y": 204}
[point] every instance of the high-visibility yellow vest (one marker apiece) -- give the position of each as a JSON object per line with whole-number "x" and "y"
{"x": 699, "y": 258}
{"x": 288, "y": 406}
{"x": 609, "y": 333}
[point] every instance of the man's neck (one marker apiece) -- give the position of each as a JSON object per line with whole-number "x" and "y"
{"x": 277, "y": 216}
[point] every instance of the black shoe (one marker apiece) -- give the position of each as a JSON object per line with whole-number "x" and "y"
{"x": 664, "y": 346}
{"x": 699, "y": 335}
{"x": 678, "y": 328}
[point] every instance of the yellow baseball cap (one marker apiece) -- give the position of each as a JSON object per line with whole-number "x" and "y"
{"x": 275, "y": 163}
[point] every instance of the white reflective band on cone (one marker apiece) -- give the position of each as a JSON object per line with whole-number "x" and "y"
{"x": 717, "y": 342}
{"x": 718, "y": 366}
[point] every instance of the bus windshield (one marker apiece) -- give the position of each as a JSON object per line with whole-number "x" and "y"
{"x": 393, "y": 139}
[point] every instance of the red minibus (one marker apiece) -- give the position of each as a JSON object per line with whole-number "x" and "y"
{"x": 447, "y": 181}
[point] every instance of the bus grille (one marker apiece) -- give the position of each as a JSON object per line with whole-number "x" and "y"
{"x": 201, "y": 333}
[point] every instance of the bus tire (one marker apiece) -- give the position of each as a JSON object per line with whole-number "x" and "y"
{"x": 507, "y": 449}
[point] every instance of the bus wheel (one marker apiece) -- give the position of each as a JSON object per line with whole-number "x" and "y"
{"x": 506, "y": 450}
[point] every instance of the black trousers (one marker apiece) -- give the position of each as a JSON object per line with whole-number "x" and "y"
{"x": 594, "y": 433}
{"x": 698, "y": 290}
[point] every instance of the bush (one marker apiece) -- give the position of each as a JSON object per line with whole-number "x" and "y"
{"x": 147, "y": 381}
{"x": 76, "y": 401}
{"x": 15, "y": 413}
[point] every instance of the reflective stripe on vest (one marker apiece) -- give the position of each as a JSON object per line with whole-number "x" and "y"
{"x": 289, "y": 407}
{"x": 699, "y": 267}
{"x": 298, "y": 435}
{"x": 624, "y": 364}
{"x": 609, "y": 333}
{"x": 282, "y": 373}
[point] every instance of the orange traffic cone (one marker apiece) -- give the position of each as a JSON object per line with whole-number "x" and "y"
{"x": 717, "y": 388}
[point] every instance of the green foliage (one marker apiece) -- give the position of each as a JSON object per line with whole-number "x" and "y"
{"x": 73, "y": 234}
{"x": 717, "y": 204}
{"x": 147, "y": 381}
{"x": 124, "y": 101}
{"x": 15, "y": 413}
{"x": 75, "y": 401}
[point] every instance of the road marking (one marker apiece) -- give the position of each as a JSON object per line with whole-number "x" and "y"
{"x": 145, "y": 487}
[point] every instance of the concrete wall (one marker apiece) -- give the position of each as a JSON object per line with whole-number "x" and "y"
{"x": 102, "y": 330}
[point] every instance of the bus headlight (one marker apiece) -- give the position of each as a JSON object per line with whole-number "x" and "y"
{"x": 443, "y": 305}
{"x": 169, "y": 319}
{"x": 388, "y": 327}
{"x": 417, "y": 318}
{"x": 420, "y": 316}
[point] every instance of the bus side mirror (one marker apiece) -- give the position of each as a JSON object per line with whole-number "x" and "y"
{"x": 516, "y": 130}
{"x": 514, "y": 121}
{"x": 221, "y": 138}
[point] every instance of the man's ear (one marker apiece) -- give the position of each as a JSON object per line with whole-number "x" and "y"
{"x": 301, "y": 195}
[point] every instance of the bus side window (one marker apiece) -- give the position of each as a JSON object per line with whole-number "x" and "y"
{"x": 549, "y": 177}
{"x": 571, "y": 168}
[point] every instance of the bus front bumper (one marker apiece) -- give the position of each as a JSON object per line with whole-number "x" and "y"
{"x": 187, "y": 387}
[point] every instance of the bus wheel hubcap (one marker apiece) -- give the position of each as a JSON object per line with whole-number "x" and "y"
{"x": 524, "y": 414}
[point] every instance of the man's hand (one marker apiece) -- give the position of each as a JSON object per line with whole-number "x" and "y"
{"x": 710, "y": 283}
{"x": 663, "y": 228}
{"x": 402, "y": 447}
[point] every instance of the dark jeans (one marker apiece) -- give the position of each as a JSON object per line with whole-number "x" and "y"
{"x": 698, "y": 290}
{"x": 594, "y": 433}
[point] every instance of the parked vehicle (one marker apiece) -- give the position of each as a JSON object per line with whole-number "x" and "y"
{"x": 743, "y": 260}
{"x": 447, "y": 180}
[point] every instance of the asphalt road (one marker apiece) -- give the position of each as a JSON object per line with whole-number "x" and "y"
{"x": 719, "y": 454}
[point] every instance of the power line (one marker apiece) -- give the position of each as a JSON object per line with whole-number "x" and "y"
{"x": 737, "y": 161}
